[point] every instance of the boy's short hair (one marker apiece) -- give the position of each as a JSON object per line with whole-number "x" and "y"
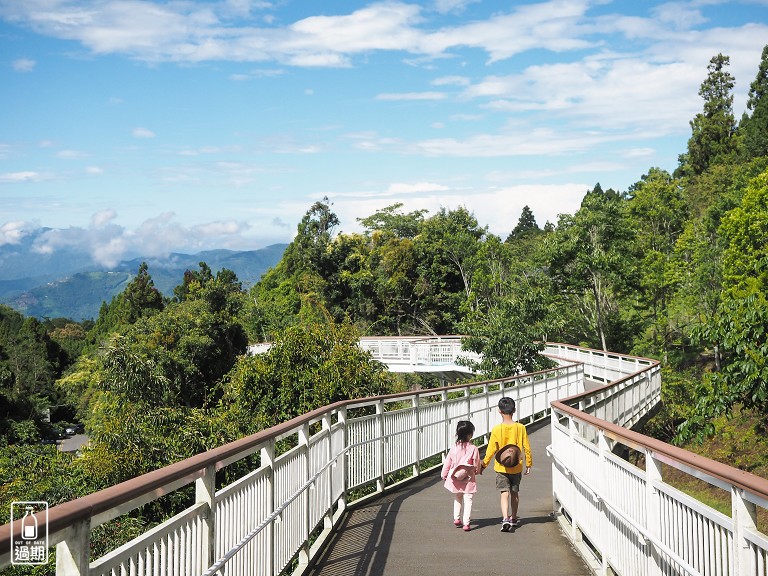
{"x": 507, "y": 405}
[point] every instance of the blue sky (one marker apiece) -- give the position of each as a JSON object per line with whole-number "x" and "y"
{"x": 132, "y": 126}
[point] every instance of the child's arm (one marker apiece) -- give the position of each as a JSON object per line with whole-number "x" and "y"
{"x": 527, "y": 451}
{"x": 447, "y": 464}
{"x": 477, "y": 462}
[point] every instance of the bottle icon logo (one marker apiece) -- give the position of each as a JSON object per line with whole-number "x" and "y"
{"x": 29, "y": 525}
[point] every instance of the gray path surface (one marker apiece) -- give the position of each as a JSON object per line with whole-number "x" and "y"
{"x": 410, "y": 531}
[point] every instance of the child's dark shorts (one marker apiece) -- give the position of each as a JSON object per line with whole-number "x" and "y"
{"x": 508, "y": 482}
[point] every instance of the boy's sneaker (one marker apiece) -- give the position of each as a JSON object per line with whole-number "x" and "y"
{"x": 506, "y": 525}
{"x": 515, "y": 522}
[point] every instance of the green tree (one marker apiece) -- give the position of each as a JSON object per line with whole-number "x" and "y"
{"x": 713, "y": 129}
{"x": 448, "y": 248}
{"x": 307, "y": 366}
{"x": 740, "y": 320}
{"x": 394, "y": 263}
{"x": 292, "y": 289}
{"x": 139, "y": 299}
{"x": 658, "y": 212}
{"x": 589, "y": 257}
{"x": 393, "y": 222}
{"x": 526, "y": 226}
{"x": 511, "y": 334}
{"x": 314, "y": 233}
{"x": 754, "y": 126}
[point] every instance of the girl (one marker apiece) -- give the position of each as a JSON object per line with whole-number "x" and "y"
{"x": 459, "y": 469}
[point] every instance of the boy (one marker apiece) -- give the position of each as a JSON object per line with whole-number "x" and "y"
{"x": 508, "y": 441}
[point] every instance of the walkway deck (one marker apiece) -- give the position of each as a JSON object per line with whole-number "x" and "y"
{"x": 410, "y": 531}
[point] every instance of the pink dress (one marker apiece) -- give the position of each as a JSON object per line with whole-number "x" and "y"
{"x": 463, "y": 454}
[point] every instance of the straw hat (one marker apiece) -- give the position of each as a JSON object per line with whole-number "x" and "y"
{"x": 509, "y": 456}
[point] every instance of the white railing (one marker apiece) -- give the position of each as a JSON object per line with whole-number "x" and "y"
{"x": 307, "y": 471}
{"x": 435, "y": 351}
{"x": 614, "y": 503}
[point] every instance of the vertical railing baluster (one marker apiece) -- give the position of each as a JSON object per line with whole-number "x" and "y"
{"x": 653, "y": 512}
{"x": 744, "y": 515}
{"x": 268, "y": 462}
{"x": 380, "y": 475}
{"x": 303, "y": 434}
{"x": 605, "y": 528}
{"x": 342, "y": 421}
{"x": 205, "y": 491}
{"x": 328, "y": 474}
{"x": 416, "y": 437}
{"x": 72, "y": 554}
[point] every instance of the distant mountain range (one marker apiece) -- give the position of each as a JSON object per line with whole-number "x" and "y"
{"x": 66, "y": 284}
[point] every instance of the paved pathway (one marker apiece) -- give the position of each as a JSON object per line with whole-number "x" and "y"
{"x": 410, "y": 531}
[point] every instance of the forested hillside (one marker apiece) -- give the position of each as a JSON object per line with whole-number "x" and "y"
{"x": 675, "y": 267}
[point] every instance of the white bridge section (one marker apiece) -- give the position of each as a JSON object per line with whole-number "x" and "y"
{"x": 437, "y": 355}
{"x": 288, "y": 494}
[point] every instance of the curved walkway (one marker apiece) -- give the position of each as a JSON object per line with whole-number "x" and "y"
{"x": 410, "y": 531}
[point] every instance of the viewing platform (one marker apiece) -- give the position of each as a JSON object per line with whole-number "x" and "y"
{"x": 437, "y": 355}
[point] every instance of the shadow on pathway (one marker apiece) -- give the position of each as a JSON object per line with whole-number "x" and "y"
{"x": 411, "y": 531}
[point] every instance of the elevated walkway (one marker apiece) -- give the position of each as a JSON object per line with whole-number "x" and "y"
{"x": 440, "y": 356}
{"x": 409, "y": 531}
{"x": 352, "y": 488}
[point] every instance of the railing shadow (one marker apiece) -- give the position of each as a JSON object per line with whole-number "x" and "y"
{"x": 361, "y": 543}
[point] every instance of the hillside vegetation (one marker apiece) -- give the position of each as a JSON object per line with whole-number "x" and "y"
{"x": 675, "y": 267}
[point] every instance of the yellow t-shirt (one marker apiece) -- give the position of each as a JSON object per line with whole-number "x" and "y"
{"x": 503, "y": 434}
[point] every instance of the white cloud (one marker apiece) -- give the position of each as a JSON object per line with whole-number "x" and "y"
{"x": 13, "y": 232}
{"x": 412, "y": 96}
{"x": 101, "y": 219}
{"x": 26, "y": 176}
{"x": 416, "y": 188}
{"x": 142, "y": 133}
{"x": 196, "y": 32}
{"x": 109, "y": 243}
{"x": 451, "y": 81}
{"x": 452, "y": 5}
{"x": 70, "y": 154}
{"x": 24, "y": 65}
{"x": 680, "y": 15}
{"x": 499, "y": 207}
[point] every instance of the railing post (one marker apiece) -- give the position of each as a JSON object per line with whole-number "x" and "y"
{"x": 604, "y": 448}
{"x": 447, "y": 421}
{"x": 327, "y": 427}
{"x": 268, "y": 462}
{"x": 72, "y": 555}
{"x": 416, "y": 437}
{"x": 342, "y": 420}
{"x": 744, "y": 516}
{"x": 380, "y": 480}
{"x": 653, "y": 511}
{"x": 205, "y": 491}
{"x": 487, "y": 415}
{"x": 572, "y": 433}
{"x": 303, "y": 437}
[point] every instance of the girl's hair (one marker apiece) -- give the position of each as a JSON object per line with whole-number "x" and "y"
{"x": 464, "y": 431}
